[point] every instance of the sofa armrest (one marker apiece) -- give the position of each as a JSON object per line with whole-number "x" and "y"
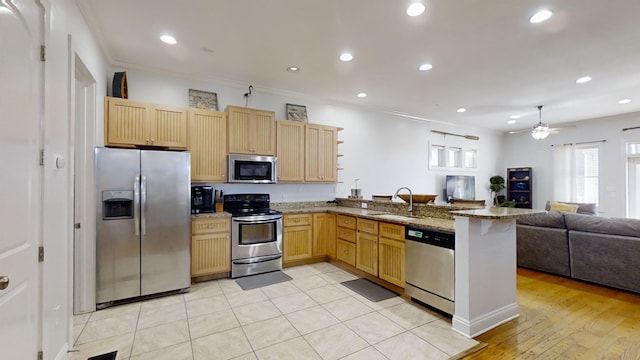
{"x": 541, "y": 248}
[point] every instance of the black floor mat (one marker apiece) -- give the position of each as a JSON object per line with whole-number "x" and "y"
{"x": 371, "y": 291}
{"x": 260, "y": 280}
{"x": 107, "y": 356}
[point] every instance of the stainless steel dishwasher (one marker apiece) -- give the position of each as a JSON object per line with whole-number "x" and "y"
{"x": 430, "y": 266}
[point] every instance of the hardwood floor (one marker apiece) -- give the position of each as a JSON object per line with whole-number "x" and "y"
{"x": 566, "y": 319}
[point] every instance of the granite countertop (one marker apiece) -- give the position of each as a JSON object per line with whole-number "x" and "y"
{"x": 434, "y": 223}
{"x": 495, "y": 213}
{"x": 210, "y": 215}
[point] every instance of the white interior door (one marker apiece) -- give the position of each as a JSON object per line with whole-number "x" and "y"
{"x": 20, "y": 178}
{"x": 633, "y": 186}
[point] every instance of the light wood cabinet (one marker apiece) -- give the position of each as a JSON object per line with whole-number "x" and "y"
{"x": 324, "y": 235}
{"x": 346, "y": 252}
{"x": 367, "y": 246}
{"x": 290, "y": 150}
{"x": 391, "y": 264}
{"x": 208, "y": 145}
{"x": 133, "y": 123}
{"x": 251, "y": 131}
{"x": 321, "y": 149}
{"x": 210, "y": 246}
{"x": 297, "y": 237}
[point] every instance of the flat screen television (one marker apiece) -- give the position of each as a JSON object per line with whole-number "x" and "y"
{"x": 461, "y": 187}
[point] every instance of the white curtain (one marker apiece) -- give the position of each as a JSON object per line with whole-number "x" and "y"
{"x": 563, "y": 172}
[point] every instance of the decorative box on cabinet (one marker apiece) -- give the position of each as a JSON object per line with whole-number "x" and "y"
{"x": 132, "y": 123}
{"x": 321, "y": 147}
{"x": 290, "y": 150}
{"x": 297, "y": 237}
{"x": 251, "y": 131}
{"x": 210, "y": 246}
{"x": 208, "y": 145}
{"x": 519, "y": 181}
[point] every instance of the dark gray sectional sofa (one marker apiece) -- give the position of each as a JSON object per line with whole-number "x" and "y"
{"x": 587, "y": 247}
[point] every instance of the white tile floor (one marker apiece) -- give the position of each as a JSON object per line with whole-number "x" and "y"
{"x": 310, "y": 317}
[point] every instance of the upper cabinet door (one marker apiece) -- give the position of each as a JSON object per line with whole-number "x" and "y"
{"x": 208, "y": 145}
{"x": 321, "y": 153}
{"x": 168, "y": 126}
{"x": 133, "y": 123}
{"x": 126, "y": 122}
{"x": 251, "y": 131}
{"x": 290, "y": 150}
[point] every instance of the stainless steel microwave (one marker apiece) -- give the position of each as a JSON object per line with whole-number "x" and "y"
{"x": 252, "y": 169}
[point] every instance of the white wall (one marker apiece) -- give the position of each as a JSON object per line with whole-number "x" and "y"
{"x": 384, "y": 151}
{"x": 66, "y": 33}
{"x": 521, "y": 150}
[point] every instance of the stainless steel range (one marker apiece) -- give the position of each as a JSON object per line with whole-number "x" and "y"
{"x": 256, "y": 234}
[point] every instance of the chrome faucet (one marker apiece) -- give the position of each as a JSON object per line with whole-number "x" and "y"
{"x": 410, "y": 209}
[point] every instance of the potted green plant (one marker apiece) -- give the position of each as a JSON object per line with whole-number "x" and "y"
{"x": 497, "y": 185}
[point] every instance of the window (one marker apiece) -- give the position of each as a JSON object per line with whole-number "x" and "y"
{"x": 633, "y": 180}
{"x": 577, "y": 172}
{"x": 437, "y": 156}
{"x": 454, "y": 160}
{"x": 470, "y": 159}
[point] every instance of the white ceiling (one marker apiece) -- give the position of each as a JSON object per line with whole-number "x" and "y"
{"x": 486, "y": 56}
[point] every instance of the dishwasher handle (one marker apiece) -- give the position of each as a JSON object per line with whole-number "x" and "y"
{"x": 431, "y": 237}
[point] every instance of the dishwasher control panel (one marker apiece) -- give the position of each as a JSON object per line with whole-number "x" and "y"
{"x": 438, "y": 238}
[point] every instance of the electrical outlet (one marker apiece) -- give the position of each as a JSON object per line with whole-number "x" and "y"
{"x": 364, "y": 205}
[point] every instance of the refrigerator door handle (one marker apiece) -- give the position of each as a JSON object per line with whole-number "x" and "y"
{"x": 136, "y": 204}
{"x": 143, "y": 207}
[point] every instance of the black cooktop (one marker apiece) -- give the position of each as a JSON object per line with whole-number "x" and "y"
{"x": 248, "y": 205}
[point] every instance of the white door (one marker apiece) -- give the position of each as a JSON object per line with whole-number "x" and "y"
{"x": 20, "y": 178}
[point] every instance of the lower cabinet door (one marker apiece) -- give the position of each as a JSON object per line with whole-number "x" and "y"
{"x": 210, "y": 254}
{"x": 346, "y": 251}
{"x": 391, "y": 264}
{"x": 296, "y": 243}
{"x": 367, "y": 253}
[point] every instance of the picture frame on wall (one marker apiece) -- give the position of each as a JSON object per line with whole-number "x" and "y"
{"x": 297, "y": 112}
{"x": 203, "y": 99}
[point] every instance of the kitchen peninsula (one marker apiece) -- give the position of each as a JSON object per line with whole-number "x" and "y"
{"x": 485, "y": 268}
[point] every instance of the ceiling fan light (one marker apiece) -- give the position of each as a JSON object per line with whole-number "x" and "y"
{"x": 540, "y": 131}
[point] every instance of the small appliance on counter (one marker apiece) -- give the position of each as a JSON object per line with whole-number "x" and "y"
{"x": 201, "y": 199}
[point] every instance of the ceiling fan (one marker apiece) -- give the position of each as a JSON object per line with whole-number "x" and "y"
{"x": 541, "y": 130}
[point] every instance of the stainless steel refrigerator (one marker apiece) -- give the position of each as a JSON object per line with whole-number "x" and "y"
{"x": 143, "y": 233}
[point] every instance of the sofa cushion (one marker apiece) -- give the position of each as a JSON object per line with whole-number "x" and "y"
{"x": 583, "y": 208}
{"x": 551, "y": 219}
{"x": 603, "y": 225}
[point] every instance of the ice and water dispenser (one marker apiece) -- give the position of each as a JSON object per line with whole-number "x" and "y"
{"x": 117, "y": 204}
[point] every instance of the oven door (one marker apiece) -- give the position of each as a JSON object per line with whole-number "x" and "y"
{"x": 256, "y": 236}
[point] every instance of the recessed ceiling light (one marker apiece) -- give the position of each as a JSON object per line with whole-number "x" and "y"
{"x": 362, "y": 95}
{"x": 511, "y": 122}
{"x": 461, "y": 110}
{"x": 425, "y": 67}
{"x": 346, "y": 57}
{"x": 624, "y": 101}
{"x": 540, "y": 16}
{"x": 415, "y": 9}
{"x": 168, "y": 39}
{"x": 514, "y": 117}
{"x": 584, "y": 79}
{"x": 293, "y": 69}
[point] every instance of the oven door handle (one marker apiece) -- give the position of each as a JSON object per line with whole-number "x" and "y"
{"x": 257, "y": 220}
{"x": 257, "y": 260}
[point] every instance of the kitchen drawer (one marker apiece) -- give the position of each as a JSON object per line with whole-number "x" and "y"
{"x": 391, "y": 231}
{"x": 210, "y": 225}
{"x": 297, "y": 219}
{"x": 346, "y": 221}
{"x": 346, "y": 252}
{"x": 346, "y": 234}
{"x": 368, "y": 226}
